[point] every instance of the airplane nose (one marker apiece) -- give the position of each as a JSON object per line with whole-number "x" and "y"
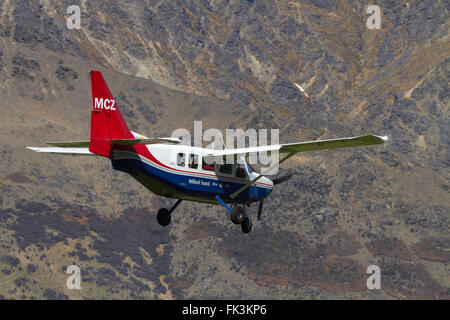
{"x": 267, "y": 182}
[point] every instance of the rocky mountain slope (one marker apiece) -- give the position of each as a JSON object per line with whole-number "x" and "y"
{"x": 231, "y": 64}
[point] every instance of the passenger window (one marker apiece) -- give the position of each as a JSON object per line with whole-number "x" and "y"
{"x": 181, "y": 160}
{"x": 193, "y": 161}
{"x": 226, "y": 168}
{"x": 240, "y": 171}
{"x": 206, "y": 166}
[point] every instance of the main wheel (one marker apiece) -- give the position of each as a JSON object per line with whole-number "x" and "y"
{"x": 246, "y": 225}
{"x": 163, "y": 217}
{"x": 237, "y": 214}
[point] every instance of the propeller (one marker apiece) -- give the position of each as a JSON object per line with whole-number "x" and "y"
{"x": 275, "y": 181}
{"x": 282, "y": 179}
{"x": 260, "y": 209}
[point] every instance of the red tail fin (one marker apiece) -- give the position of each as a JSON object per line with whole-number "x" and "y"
{"x": 106, "y": 120}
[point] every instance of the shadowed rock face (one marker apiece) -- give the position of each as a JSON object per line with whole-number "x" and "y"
{"x": 113, "y": 242}
{"x": 232, "y": 65}
{"x": 274, "y": 259}
{"x": 282, "y": 258}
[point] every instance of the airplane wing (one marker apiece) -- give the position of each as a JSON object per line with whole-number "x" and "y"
{"x": 366, "y": 140}
{"x": 293, "y": 148}
{"x": 360, "y": 141}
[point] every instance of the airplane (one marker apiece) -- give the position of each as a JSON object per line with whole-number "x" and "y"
{"x": 174, "y": 170}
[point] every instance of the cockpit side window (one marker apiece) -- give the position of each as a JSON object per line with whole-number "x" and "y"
{"x": 181, "y": 159}
{"x": 193, "y": 161}
{"x": 208, "y": 165}
{"x": 226, "y": 168}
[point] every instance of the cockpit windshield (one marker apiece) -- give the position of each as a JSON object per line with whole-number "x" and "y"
{"x": 240, "y": 171}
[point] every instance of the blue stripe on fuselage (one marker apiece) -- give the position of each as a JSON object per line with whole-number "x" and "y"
{"x": 193, "y": 185}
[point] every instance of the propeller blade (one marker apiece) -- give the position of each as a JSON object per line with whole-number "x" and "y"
{"x": 260, "y": 209}
{"x": 282, "y": 179}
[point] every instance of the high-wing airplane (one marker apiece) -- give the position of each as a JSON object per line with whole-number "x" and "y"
{"x": 174, "y": 170}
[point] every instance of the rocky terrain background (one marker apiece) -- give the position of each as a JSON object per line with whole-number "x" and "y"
{"x": 231, "y": 64}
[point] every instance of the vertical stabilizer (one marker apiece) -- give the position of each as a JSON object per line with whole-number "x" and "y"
{"x": 106, "y": 120}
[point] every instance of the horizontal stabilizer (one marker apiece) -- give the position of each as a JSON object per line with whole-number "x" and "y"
{"x": 70, "y": 144}
{"x": 66, "y": 151}
{"x": 133, "y": 142}
{"x": 122, "y": 142}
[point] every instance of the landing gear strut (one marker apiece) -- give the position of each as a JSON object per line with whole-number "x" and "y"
{"x": 163, "y": 216}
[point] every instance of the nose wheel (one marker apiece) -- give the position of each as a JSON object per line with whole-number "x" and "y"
{"x": 246, "y": 225}
{"x": 239, "y": 216}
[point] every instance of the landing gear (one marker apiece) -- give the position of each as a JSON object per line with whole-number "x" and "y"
{"x": 163, "y": 216}
{"x": 238, "y": 214}
{"x": 246, "y": 225}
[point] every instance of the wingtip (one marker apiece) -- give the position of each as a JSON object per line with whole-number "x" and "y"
{"x": 381, "y": 139}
